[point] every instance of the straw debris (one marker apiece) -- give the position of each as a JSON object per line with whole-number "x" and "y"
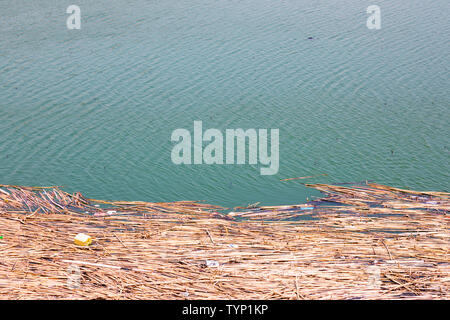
{"x": 358, "y": 242}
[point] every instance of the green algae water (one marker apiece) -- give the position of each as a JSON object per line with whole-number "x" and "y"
{"x": 93, "y": 109}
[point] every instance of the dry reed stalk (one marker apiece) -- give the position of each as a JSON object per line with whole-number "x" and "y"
{"x": 373, "y": 245}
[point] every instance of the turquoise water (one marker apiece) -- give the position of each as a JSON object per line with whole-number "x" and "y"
{"x": 93, "y": 109}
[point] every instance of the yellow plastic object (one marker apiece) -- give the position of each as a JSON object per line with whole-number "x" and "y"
{"x": 82, "y": 239}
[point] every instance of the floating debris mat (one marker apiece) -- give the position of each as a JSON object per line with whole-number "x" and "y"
{"x": 377, "y": 242}
{"x": 369, "y": 199}
{"x": 25, "y": 200}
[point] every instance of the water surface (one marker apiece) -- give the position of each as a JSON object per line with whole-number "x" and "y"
{"x": 93, "y": 109}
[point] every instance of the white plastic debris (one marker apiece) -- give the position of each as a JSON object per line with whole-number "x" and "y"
{"x": 212, "y": 263}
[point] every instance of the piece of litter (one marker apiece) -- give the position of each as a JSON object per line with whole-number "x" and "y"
{"x": 212, "y": 263}
{"x": 82, "y": 239}
{"x": 111, "y": 211}
{"x": 232, "y": 245}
